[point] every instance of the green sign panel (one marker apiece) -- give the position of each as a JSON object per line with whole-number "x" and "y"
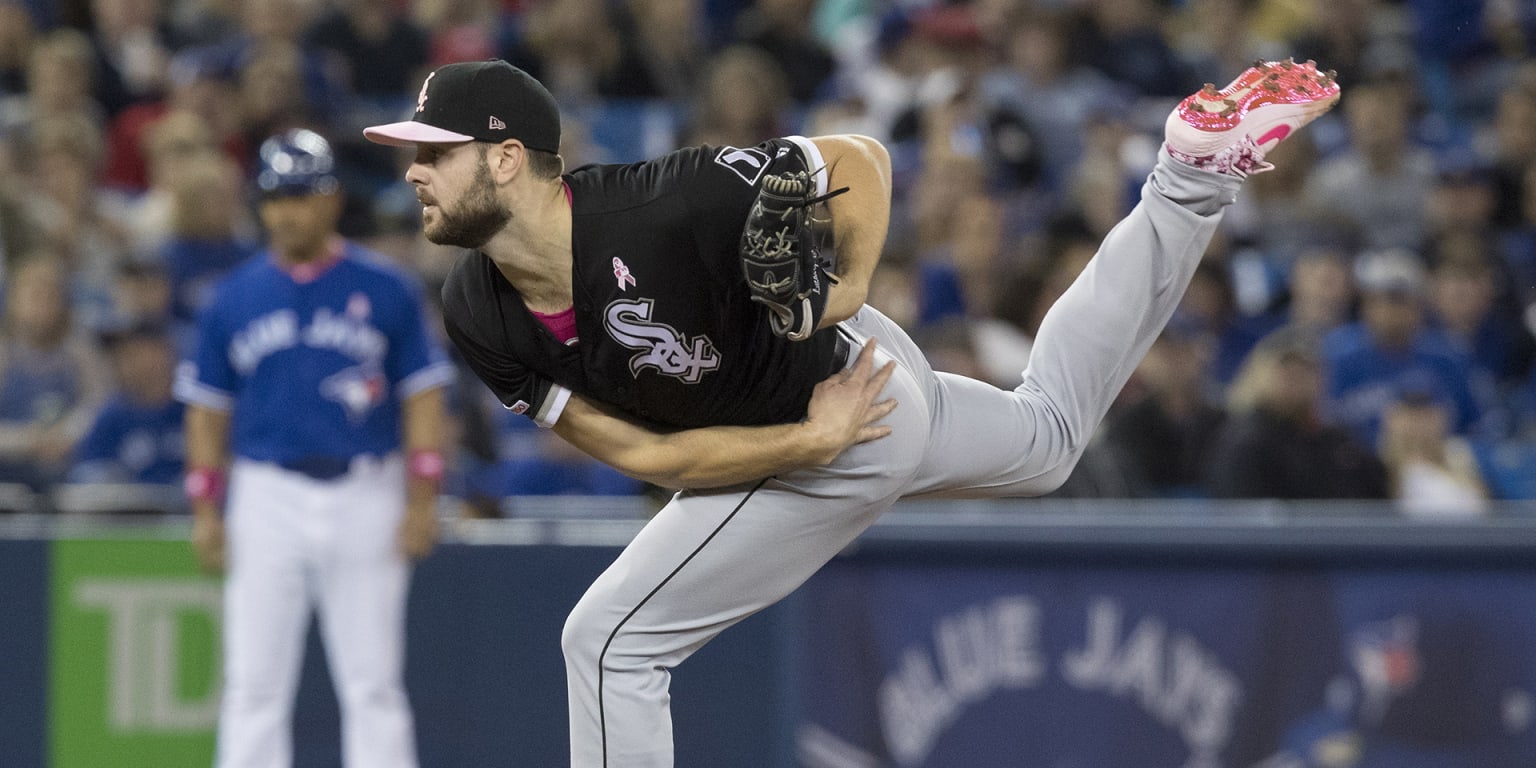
{"x": 134, "y": 677}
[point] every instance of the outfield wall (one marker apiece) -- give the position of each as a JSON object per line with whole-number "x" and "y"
{"x": 950, "y": 636}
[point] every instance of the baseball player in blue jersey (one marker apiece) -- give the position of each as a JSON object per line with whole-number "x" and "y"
{"x": 673, "y": 318}
{"x": 317, "y": 391}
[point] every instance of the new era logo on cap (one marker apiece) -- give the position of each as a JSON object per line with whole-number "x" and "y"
{"x": 489, "y": 101}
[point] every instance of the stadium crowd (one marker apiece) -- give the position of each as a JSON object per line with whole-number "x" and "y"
{"x": 1362, "y": 327}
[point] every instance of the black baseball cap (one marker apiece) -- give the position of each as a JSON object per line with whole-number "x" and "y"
{"x": 478, "y": 101}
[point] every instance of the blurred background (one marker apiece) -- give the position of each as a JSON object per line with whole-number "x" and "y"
{"x": 1357, "y": 344}
{"x": 1395, "y": 242}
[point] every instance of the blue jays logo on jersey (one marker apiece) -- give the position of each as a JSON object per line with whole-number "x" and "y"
{"x": 662, "y": 347}
{"x": 358, "y": 390}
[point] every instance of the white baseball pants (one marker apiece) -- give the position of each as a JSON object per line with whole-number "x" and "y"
{"x": 296, "y": 543}
{"x": 710, "y": 559}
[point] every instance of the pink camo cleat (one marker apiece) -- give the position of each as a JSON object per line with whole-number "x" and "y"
{"x": 1228, "y": 131}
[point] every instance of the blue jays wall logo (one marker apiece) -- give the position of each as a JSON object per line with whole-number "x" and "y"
{"x": 358, "y": 390}
{"x": 663, "y": 348}
{"x": 1385, "y": 656}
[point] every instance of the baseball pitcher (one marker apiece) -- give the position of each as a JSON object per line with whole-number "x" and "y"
{"x": 673, "y": 318}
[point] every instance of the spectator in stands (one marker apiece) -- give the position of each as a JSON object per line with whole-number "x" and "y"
{"x": 1274, "y": 216}
{"x": 667, "y": 44}
{"x": 1322, "y": 291}
{"x": 133, "y": 46}
{"x": 63, "y": 163}
{"x": 1379, "y": 185}
{"x": 782, "y": 29}
{"x": 380, "y": 49}
{"x": 1064, "y": 258}
{"x": 51, "y": 381}
{"x": 576, "y": 48}
{"x": 1162, "y": 437}
{"x": 205, "y": 242}
{"x": 1103, "y": 186}
{"x": 918, "y": 59}
{"x": 1367, "y": 360}
{"x": 1002, "y": 334}
{"x": 1209, "y": 55}
{"x": 1464, "y": 198}
{"x": 1053, "y": 95}
{"x": 1319, "y": 297}
{"x": 372, "y": 57}
{"x": 142, "y": 297}
{"x": 137, "y": 435}
{"x": 271, "y": 91}
{"x": 1462, "y": 309}
{"x": 1431, "y": 471}
{"x": 1344, "y": 33}
{"x": 893, "y": 289}
{"x": 957, "y": 233}
{"x": 274, "y": 29}
{"x": 1464, "y": 51}
{"x": 1276, "y": 443}
{"x": 197, "y": 23}
{"x": 1125, "y": 40}
{"x": 950, "y": 347}
{"x": 741, "y": 101}
{"x": 1210, "y": 304}
{"x": 58, "y": 81}
{"x": 167, "y": 143}
{"x": 200, "y": 84}
{"x": 461, "y": 30}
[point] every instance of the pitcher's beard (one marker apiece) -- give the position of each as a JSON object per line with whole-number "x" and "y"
{"x": 477, "y": 217}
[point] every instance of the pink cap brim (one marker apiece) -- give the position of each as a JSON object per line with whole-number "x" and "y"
{"x": 411, "y": 132}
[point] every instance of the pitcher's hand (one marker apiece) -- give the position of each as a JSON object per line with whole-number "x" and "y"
{"x": 843, "y": 408}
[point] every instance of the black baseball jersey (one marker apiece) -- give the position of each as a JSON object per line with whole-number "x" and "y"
{"x": 666, "y": 330}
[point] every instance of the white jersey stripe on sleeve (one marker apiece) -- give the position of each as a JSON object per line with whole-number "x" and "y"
{"x": 553, "y": 405}
{"x": 434, "y": 375}
{"x": 193, "y": 392}
{"x": 813, "y": 161}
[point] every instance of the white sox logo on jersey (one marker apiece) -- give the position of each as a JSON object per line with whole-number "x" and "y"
{"x": 747, "y": 163}
{"x": 663, "y": 348}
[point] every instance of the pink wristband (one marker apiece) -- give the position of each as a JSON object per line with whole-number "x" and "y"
{"x": 204, "y": 484}
{"x": 426, "y": 465}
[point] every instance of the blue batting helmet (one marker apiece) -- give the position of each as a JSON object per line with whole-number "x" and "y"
{"x": 298, "y": 162}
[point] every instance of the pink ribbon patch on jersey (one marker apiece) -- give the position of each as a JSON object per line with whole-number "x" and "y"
{"x": 622, "y": 273}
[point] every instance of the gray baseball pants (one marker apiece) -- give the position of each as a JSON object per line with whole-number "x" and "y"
{"x": 712, "y": 558}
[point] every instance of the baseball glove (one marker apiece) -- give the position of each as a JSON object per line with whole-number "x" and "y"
{"x": 781, "y": 257}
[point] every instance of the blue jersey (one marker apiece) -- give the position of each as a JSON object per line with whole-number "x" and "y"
{"x": 132, "y": 443}
{"x": 196, "y": 267}
{"x": 313, "y": 367}
{"x": 1363, "y": 379}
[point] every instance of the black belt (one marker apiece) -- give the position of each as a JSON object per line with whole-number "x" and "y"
{"x": 840, "y": 352}
{"x": 318, "y": 467}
